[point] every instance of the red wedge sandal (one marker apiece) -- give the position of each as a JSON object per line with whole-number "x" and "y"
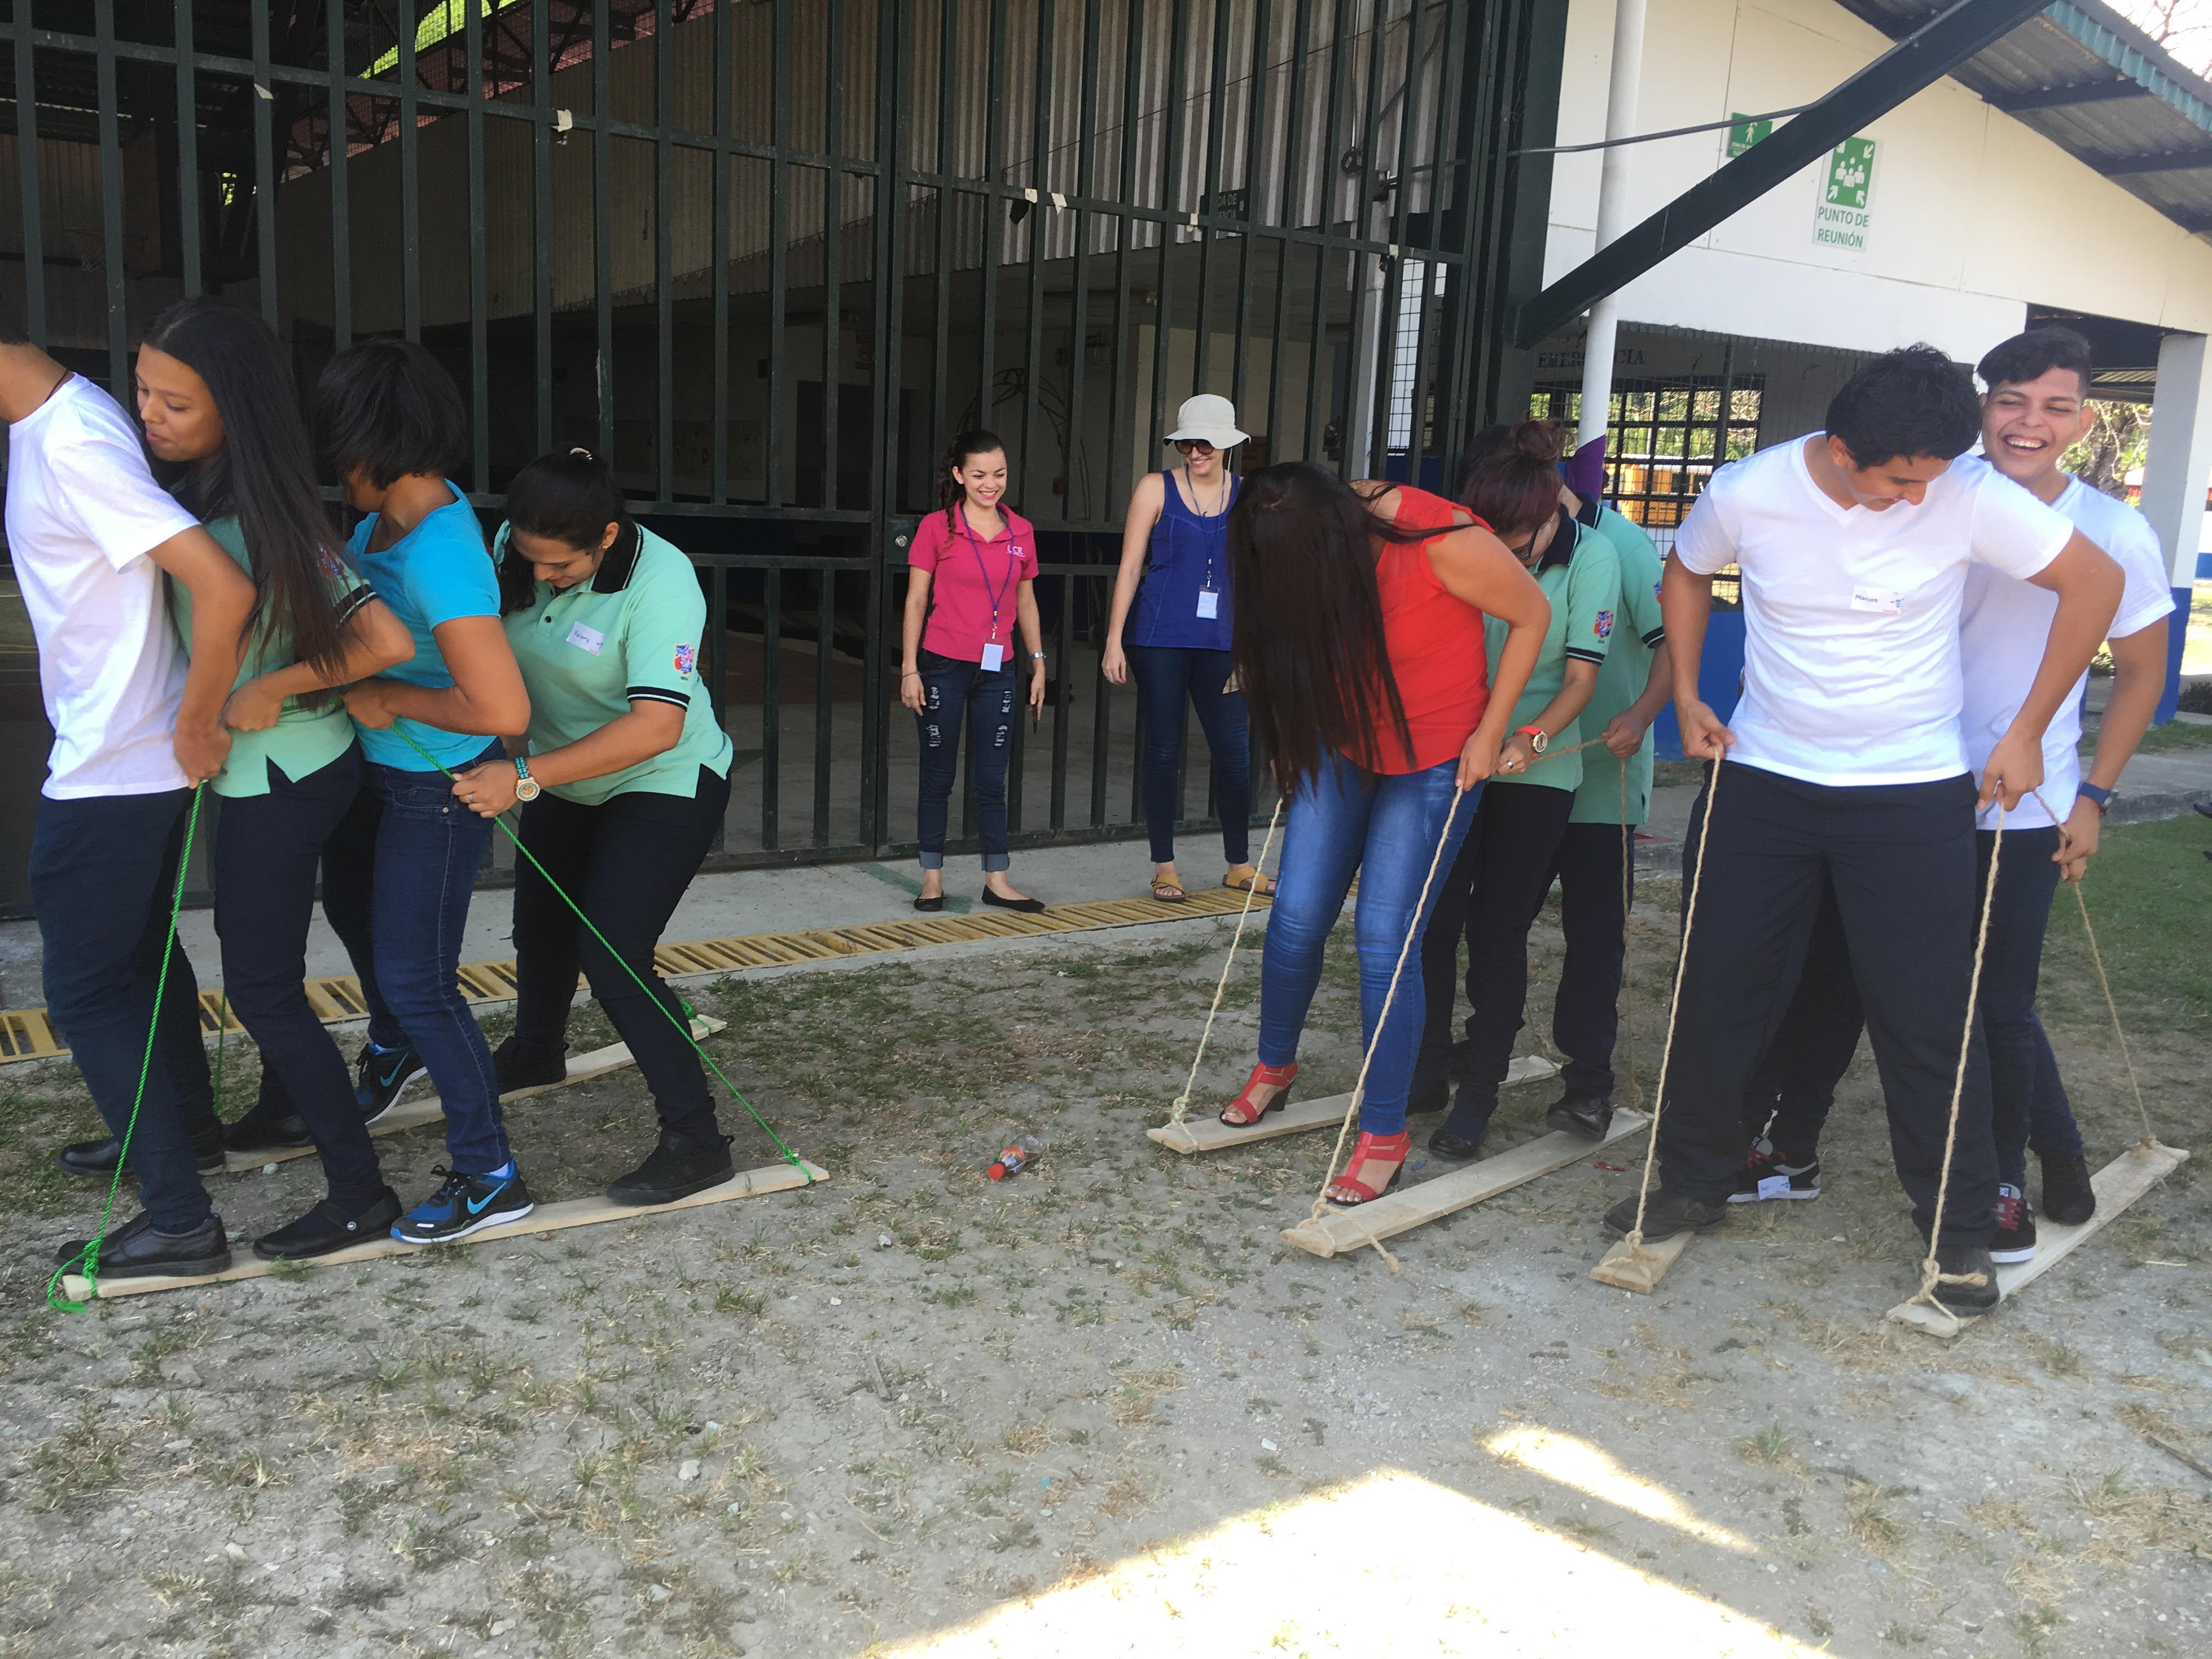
{"x": 1353, "y": 1187}
{"x": 1244, "y": 1112}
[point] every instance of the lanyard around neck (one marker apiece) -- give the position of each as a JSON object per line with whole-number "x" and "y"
{"x": 975, "y": 546}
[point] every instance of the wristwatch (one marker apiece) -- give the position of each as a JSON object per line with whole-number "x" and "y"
{"x": 525, "y": 787}
{"x": 1539, "y": 739}
{"x": 2102, "y": 797}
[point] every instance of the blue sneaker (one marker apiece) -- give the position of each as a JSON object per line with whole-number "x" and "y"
{"x": 465, "y": 1204}
{"x": 379, "y": 1076}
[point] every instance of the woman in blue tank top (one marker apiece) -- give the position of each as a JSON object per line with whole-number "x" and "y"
{"x": 1175, "y": 571}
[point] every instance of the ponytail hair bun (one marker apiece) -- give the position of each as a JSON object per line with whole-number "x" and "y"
{"x": 1509, "y": 477}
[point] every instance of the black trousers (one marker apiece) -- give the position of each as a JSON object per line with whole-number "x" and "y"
{"x": 267, "y": 850}
{"x": 1495, "y": 887}
{"x": 1795, "y": 1086}
{"x": 1901, "y": 859}
{"x": 626, "y": 862}
{"x": 1594, "y": 916}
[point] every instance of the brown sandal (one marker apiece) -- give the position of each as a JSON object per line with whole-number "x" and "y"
{"x": 1245, "y": 878}
{"x": 1167, "y": 890}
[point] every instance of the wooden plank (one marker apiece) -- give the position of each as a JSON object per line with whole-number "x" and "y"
{"x": 1206, "y": 1132}
{"x": 1339, "y": 1230}
{"x": 428, "y": 1108}
{"x": 2117, "y": 1185}
{"x": 1641, "y": 1273}
{"x": 545, "y": 1219}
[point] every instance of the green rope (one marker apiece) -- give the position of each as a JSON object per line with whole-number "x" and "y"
{"x": 89, "y": 1259}
{"x": 795, "y": 1161}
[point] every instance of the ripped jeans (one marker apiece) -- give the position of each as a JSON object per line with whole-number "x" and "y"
{"x": 952, "y": 688}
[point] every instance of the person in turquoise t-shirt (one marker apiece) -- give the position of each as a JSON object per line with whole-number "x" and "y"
{"x": 219, "y": 413}
{"x": 624, "y": 776}
{"x": 390, "y": 424}
{"x": 1497, "y": 882}
{"x": 1594, "y": 862}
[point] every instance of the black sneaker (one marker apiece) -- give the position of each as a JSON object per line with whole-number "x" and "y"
{"x": 678, "y": 1167}
{"x": 95, "y": 1160}
{"x": 327, "y": 1228}
{"x": 1665, "y": 1215}
{"x": 1578, "y": 1113}
{"x": 1767, "y": 1174}
{"x": 259, "y": 1131}
{"x": 138, "y": 1250}
{"x": 2068, "y": 1197}
{"x": 381, "y": 1074}
{"x": 463, "y": 1204}
{"x": 1954, "y": 1255}
{"x": 2016, "y": 1234}
{"x": 516, "y": 1070}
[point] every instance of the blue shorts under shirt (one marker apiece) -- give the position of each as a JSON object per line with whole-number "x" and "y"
{"x": 436, "y": 573}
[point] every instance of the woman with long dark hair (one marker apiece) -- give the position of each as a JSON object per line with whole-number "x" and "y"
{"x": 972, "y": 587}
{"x": 1175, "y": 576}
{"x": 390, "y": 424}
{"x": 1503, "y": 868}
{"x": 624, "y": 776}
{"x": 1359, "y": 645}
{"x": 224, "y": 422}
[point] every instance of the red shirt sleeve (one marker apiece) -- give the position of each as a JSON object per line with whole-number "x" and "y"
{"x": 927, "y": 547}
{"x": 1024, "y": 532}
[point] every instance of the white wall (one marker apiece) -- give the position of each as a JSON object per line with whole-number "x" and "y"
{"x": 1972, "y": 214}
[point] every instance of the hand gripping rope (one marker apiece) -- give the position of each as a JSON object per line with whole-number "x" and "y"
{"x": 87, "y": 1262}
{"x": 1181, "y": 1109}
{"x": 1321, "y": 1205}
{"x": 682, "y": 1025}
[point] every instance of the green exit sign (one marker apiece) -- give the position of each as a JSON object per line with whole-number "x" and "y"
{"x": 1850, "y": 174}
{"x": 1744, "y": 132}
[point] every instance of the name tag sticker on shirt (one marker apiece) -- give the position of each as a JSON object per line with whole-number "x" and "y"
{"x": 589, "y": 639}
{"x": 994, "y": 657}
{"x": 1882, "y": 601}
{"x": 1209, "y": 604}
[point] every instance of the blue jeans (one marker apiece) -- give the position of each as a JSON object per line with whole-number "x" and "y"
{"x": 103, "y": 874}
{"x": 400, "y": 871}
{"x": 1346, "y": 819}
{"x": 1166, "y": 675}
{"x": 950, "y": 689}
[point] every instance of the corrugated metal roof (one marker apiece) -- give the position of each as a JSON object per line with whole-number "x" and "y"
{"x": 2097, "y": 87}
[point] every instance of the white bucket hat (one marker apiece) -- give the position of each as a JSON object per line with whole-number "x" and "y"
{"x": 1207, "y": 419}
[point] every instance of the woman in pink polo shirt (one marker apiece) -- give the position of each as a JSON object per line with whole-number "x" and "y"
{"x": 973, "y": 579}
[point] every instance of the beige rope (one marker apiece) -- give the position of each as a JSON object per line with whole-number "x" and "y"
{"x": 2097, "y": 961}
{"x": 1321, "y": 1205}
{"x": 1635, "y": 1239}
{"x": 1931, "y": 1275}
{"x": 1181, "y": 1109}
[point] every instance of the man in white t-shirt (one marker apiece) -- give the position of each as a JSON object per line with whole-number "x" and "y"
{"x": 91, "y": 536}
{"x": 1845, "y": 763}
{"x": 2035, "y": 409}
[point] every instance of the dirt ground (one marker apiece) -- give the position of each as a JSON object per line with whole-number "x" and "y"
{"x": 1101, "y": 1408}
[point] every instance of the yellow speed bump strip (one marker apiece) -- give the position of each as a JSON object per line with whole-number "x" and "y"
{"x": 25, "y": 1034}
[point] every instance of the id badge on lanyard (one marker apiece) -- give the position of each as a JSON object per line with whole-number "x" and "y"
{"x": 1209, "y": 604}
{"x": 994, "y": 653}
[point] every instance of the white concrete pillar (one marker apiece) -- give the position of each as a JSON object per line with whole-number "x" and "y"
{"x": 2176, "y": 471}
{"x": 1614, "y": 208}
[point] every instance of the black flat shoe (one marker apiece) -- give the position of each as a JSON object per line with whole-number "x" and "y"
{"x": 515, "y": 1070}
{"x": 327, "y": 1228}
{"x": 1666, "y": 1214}
{"x": 261, "y": 1131}
{"x": 136, "y": 1250}
{"x": 1446, "y": 1144}
{"x": 930, "y": 906}
{"x": 678, "y": 1167}
{"x": 95, "y": 1160}
{"x": 1027, "y": 906}
{"x": 1587, "y": 1115}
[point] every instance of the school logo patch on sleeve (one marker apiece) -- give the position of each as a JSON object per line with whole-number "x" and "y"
{"x": 332, "y": 565}
{"x": 1603, "y": 626}
{"x": 687, "y": 659}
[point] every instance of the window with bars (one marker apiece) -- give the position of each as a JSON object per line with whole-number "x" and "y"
{"x": 1663, "y": 439}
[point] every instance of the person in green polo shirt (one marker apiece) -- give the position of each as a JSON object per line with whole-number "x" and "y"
{"x": 624, "y": 776}
{"x": 1497, "y": 882}
{"x": 1594, "y": 862}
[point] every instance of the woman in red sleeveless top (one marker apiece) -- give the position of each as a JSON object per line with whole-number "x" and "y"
{"x": 1359, "y": 645}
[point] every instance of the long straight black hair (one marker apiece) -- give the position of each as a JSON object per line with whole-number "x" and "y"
{"x": 1308, "y": 648}
{"x": 264, "y": 473}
